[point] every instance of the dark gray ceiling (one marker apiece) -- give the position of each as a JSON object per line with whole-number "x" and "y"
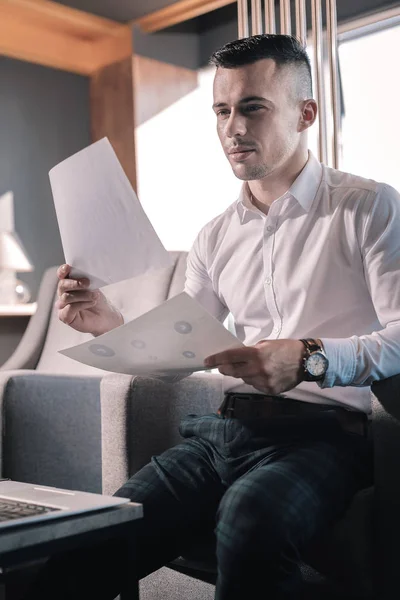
{"x": 119, "y": 10}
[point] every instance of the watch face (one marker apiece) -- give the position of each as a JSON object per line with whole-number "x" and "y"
{"x": 317, "y": 364}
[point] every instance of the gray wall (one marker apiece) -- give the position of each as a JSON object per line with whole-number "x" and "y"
{"x": 177, "y": 45}
{"x": 44, "y": 118}
{"x": 217, "y": 31}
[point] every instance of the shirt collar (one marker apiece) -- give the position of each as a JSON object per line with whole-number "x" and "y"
{"x": 305, "y": 186}
{"x": 303, "y": 189}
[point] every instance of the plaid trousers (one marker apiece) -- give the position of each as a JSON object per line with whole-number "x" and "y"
{"x": 265, "y": 487}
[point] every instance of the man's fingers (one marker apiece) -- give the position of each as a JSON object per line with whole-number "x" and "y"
{"x": 69, "y": 285}
{"x": 236, "y": 355}
{"x": 63, "y": 271}
{"x": 239, "y": 369}
{"x": 66, "y": 284}
{"x": 68, "y": 314}
{"x": 76, "y": 297}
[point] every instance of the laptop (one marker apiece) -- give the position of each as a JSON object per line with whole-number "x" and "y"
{"x": 25, "y": 503}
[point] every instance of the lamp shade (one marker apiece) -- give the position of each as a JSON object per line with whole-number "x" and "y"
{"x": 12, "y": 253}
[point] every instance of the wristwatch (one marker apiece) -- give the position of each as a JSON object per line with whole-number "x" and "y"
{"x": 315, "y": 362}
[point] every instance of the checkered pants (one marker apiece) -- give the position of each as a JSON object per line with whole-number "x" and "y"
{"x": 266, "y": 488}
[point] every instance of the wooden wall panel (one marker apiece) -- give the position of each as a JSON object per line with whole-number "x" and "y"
{"x": 112, "y": 112}
{"x": 157, "y": 85}
{"x": 54, "y": 35}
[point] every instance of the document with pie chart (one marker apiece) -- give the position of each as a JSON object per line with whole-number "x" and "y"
{"x": 175, "y": 337}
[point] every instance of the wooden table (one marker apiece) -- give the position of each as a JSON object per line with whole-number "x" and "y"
{"x": 21, "y": 546}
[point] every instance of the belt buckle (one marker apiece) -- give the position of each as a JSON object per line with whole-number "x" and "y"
{"x": 227, "y": 407}
{"x": 357, "y": 423}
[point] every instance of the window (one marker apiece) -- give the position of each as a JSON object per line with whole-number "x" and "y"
{"x": 371, "y": 89}
{"x": 184, "y": 178}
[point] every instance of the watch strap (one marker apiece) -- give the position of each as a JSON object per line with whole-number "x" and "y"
{"x": 312, "y": 345}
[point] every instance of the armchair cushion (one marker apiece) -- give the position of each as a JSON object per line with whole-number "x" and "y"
{"x": 51, "y": 426}
{"x": 141, "y": 416}
{"x": 28, "y": 351}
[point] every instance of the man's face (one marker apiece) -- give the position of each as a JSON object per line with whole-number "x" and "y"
{"x": 258, "y": 117}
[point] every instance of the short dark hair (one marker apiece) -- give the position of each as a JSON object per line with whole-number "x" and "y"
{"x": 283, "y": 49}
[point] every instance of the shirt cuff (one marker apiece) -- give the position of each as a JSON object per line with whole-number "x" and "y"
{"x": 341, "y": 354}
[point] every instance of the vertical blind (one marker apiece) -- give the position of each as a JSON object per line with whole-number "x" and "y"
{"x": 260, "y": 16}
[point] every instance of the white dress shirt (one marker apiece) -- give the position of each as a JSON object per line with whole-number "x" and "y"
{"x": 323, "y": 263}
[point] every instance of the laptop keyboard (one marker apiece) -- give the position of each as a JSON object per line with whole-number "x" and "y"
{"x": 14, "y": 509}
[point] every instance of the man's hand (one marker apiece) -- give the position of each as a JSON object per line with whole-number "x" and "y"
{"x": 82, "y": 309}
{"x": 272, "y": 366}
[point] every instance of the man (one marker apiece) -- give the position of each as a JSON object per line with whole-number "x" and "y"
{"x": 308, "y": 263}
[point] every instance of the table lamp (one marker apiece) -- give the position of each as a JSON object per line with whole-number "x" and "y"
{"x": 13, "y": 259}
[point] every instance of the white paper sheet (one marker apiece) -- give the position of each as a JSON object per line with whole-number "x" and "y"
{"x": 172, "y": 338}
{"x": 105, "y": 233}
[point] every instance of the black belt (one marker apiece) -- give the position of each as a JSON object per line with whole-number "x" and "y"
{"x": 260, "y": 406}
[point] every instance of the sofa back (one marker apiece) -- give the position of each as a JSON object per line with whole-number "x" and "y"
{"x": 133, "y": 297}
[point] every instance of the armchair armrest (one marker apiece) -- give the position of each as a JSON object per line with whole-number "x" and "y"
{"x": 386, "y": 440}
{"x": 51, "y": 429}
{"x": 141, "y": 415}
{"x": 29, "y": 349}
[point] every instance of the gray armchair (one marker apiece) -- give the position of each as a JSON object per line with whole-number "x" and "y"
{"x": 50, "y": 403}
{"x": 72, "y": 426}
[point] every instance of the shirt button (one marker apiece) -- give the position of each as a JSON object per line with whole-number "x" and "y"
{"x": 268, "y": 281}
{"x": 276, "y": 330}
{"x": 270, "y": 228}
